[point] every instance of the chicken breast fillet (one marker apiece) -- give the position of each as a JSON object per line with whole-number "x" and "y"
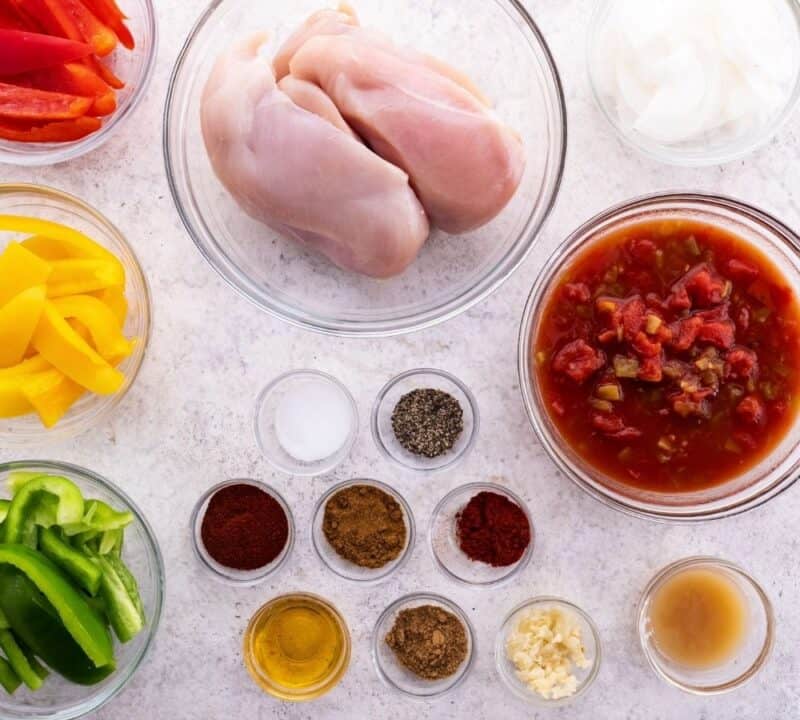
{"x": 298, "y": 172}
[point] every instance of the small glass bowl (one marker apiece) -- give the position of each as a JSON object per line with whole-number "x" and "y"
{"x": 451, "y": 274}
{"x": 397, "y": 677}
{"x": 443, "y": 539}
{"x": 59, "y": 699}
{"x": 344, "y": 568}
{"x": 90, "y": 410}
{"x": 232, "y": 576}
{"x": 591, "y": 642}
{"x": 751, "y": 656}
{"x": 404, "y": 383}
{"x": 714, "y": 148}
{"x": 775, "y": 473}
{"x": 266, "y": 407}
{"x": 266, "y": 683}
{"x": 134, "y": 67}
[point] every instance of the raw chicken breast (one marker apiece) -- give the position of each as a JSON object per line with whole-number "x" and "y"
{"x": 464, "y": 164}
{"x": 312, "y": 98}
{"x": 297, "y": 172}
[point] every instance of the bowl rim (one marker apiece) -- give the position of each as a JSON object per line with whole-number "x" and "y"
{"x": 512, "y": 571}
{"x": 663, "y": 153}
{"x": 723, "y": 508}
{"x": 411, "y": 322}
{"x": 452, "y": 461}
{"x": 717, "y": 563}
{"x": 59, "y": 432}
{"x": 62, "y": 152}
{"x": 378, "y": 574}
{"x": 321, "y": 467}
{"x": 151, "y": 628}
{"x": 232, "y": 576}
{"x": 500, "y": 656}
{"x": 431, "y": 598}
{"x": 331, "y": 682}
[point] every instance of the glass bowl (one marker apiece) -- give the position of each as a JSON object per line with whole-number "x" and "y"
{"x": 752, "y": 654}
{"x": 397, "y": 677}
{"x": 58, "y": 699}
{"x": 232, "y": 576}
{"x": 450, "y": 275}
{"x": 344, "y": 568}
{"x": 294, "y": 693}
{"x": 267, "y": 404}
{"x": 775, "y": 473}
{"x": 389, "y": 396}
{"x": 714, "y": 148}
{"x": 91, "y": 410}
{"x": 134, "y": 67}
{"x": 443, "y": 539}
{"x": 591, "y": 642}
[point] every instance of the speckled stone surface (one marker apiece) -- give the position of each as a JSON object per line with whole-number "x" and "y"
{"x": 186, "y": 424}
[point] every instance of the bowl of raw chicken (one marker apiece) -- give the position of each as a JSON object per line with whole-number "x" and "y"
{"x": 366, "y": 170}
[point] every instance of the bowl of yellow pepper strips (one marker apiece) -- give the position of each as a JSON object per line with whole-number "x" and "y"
{"x": 81, "y": 590}
{"x": 74, "y": 315}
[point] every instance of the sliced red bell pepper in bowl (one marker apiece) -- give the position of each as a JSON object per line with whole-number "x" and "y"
{"x": 21, "y": 51}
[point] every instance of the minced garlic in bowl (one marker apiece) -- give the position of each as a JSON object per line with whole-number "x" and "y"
{"x": 548, "y": 650}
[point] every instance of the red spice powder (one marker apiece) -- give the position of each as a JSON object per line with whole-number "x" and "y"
{"x": 244, "y": 528}
{"x": 493, "y": 530}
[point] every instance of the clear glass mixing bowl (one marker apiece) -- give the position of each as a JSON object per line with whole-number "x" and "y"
{"x": 495, "y": 42}
{"x": 755, "y": 485}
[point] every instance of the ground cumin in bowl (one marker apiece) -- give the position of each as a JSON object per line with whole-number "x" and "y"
{"x": 363, "y": 530}
{"x": 423, "y": 645}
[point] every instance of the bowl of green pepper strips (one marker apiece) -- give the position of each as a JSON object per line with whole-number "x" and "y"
{"x": 81, "y": 590}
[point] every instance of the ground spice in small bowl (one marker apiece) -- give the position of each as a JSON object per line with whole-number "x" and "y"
{"x": 427, "y": 422}
{"x": 492, "y": 529}
{"x": 244, "y": 527}
{"x": 365, "y": 525}
{"x": 428, "y": 640}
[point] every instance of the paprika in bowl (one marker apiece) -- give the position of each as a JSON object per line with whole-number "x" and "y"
{"x": 659, "y": 357}
{"x": 242, "y": 531}
{"x": 481, "y": 534}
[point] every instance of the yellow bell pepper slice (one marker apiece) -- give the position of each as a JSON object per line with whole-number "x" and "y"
{"x": 100, "y": 321}
{"x": 46, "y": 248}
{"x": 74, "y": 243}
{"x": 12, "y": 400}
{"x": 18, "y": 320}
{"x": 66, "y": 351}
{"x": 79, "y": 276}
{"x": 19, "y": 270}
{"x": 30, "y": 366}
{"x": 51, "y": 394}
{"x": 115, "y": 298}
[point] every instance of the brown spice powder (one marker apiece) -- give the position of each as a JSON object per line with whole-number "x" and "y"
{"x": 365, "y": 525}
{"x": 430, "y": 641}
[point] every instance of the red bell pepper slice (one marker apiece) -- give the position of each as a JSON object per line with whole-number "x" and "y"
{"x": 63, "y": 131}
{"x": 21, "y": 51}
{"x": 19, "y": 103}
{"x": 104, "y": 72}
{"x": 75, "y": 79}
{"x": 108, "y": 12}
{"x": 10, "y": 18}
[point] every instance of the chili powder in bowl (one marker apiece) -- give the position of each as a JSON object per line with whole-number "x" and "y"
{"x": 481, "y": 534}
{"x": 242, "y": 531}
{"x": 659, "y": 357}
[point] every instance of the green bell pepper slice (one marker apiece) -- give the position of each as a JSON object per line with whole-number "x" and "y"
{"x": 120, "y": 592}
{"x": 80, "y": 620}
{"x": 8, "y": 678}
{"x": 98, "y": 517}
{"x": 73, "y": 562}
{"x": 19, "y": 660}
{"x": 4, "y": 506}
{"x": 17, "y": 478}
{"x": 34, "y": 497}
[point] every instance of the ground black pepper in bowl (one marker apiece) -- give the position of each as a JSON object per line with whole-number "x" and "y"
{"x": 427, "y": 422}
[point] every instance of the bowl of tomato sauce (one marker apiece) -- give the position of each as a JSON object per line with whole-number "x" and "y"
{"x": 659, "y": 356}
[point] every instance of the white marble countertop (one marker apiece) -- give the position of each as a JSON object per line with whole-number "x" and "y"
{"x": 186, "y": 424}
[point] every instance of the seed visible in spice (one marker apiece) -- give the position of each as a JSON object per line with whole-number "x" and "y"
{"x": 365, "y": 525}
{"x": 428, "y": 640}
{"x": 427, "y": 422}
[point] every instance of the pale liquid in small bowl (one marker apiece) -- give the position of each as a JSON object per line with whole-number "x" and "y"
{"x": 698, "y": 618}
